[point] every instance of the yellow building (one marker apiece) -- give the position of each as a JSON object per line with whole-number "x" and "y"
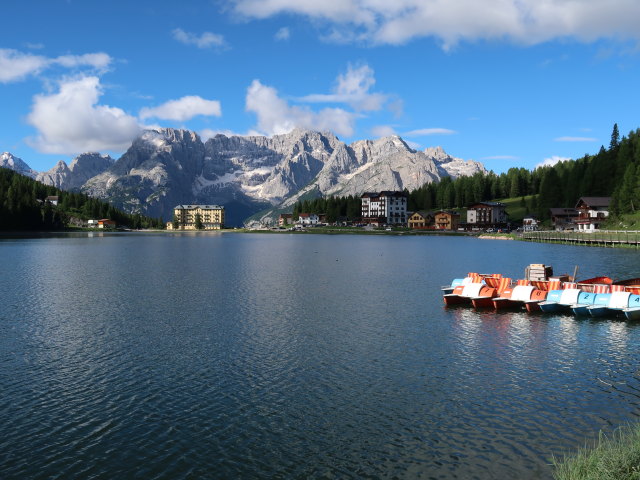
{"x": 211, "y": 216}
{"x": 421, "y": 219}
{"x": 446, "y": 220}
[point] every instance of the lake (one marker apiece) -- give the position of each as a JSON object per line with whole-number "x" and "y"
{"x": 222, "y": 355}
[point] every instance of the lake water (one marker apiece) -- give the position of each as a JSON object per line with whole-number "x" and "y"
{"x": 209, "y": 355}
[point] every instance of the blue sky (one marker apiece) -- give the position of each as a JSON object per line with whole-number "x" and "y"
{"x": 510, "y": 83}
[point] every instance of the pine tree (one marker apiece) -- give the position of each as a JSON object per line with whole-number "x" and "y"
{"x": 615, "y": 137}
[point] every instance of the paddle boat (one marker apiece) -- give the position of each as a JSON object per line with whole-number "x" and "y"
{"x": 585, "y": 300}
{"x": 470, "y": 287}
{"x": 631, "y": 285}
{"x": 560, "y": 300}
{"x": 514, "y": 298}
{"x": 456, "y": 282}
{"x": 618, "y": 303}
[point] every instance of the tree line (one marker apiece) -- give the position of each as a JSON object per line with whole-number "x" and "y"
{"x": 612, "y": 172}
{"x": 23, "y": 206}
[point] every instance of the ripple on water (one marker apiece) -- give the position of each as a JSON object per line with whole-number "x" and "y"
{"x": 167, "y": 357}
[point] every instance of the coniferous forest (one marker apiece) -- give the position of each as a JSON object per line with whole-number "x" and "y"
{"x": 612, "y": 172}
{"x": 22, "y": 207}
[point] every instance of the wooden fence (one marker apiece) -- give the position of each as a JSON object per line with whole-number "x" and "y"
{"x": 603, "y": 238}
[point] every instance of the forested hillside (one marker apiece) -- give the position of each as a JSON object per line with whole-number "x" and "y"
{"x": 22, "y": 206}
{"x": 613, "y": 171}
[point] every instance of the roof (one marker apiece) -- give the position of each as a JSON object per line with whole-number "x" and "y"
{"x": 193, "y": 207}
{"x": 423, "y": 213}
{"x": 448, "y": 212}
{"x": 489, "y": 204}
{"x": 555, "y": 212}
{"x": 594, "y": 201}
{"x": 384, "y": 193}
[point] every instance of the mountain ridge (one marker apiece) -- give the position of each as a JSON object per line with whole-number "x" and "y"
{"x": 248, "y": 174}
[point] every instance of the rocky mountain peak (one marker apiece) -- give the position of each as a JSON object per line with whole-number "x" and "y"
{"x": 10, "y": 161}
{"x": 81, "y": 169}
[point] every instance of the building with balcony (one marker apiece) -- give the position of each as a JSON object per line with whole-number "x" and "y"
{"x": 487, "y": 214}
{"x": 592, "y": 211}
{"x": 384, "y": 208}
{"x": 285, "y": 219}
{"x": 185, "y": 217}
{"x": 563, "y": 218}
{"x": 447, "y": 220}
{"x": 420, "y": 220}
{"x": 530, "y": 224}
{"x": 308, "y": 220}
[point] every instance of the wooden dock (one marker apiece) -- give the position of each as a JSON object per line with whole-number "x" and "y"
{"x": 603, "y": 238}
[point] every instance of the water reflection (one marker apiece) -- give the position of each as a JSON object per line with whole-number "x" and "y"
{"x": 174, "y": 356}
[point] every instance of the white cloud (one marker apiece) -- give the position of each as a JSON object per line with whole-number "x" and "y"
{"x": 183, "y": 109}
{"x": 430, "y": 131}
{"x": 71, "y": 121}
{"x": 451, "y": 21}
{"x": 353, "y": 88}
{"x": 204, "y": 40}
{"x": 208, "y": 133}
{"x": 276, "y": 116}
{"x": 551, "y": 161}
{"x": 383, "y": 131}
{"x": 15, "y": 65}
{"x": 414, "y": 145}
{"x": 575, "y": 139}
{"x": 283, "y": 34}
{"x": 99, "y": 61}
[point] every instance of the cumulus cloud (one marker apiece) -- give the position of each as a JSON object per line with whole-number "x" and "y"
{"x": 422, "y": 132}
{"x": 352, "y": 88}
{"x": 182, "y": 109}
{"x": 276, "y": 116}
{"x": 204, "y": 40}
{"x": 283, "y": 34}
{"x": 575, "y": 139}
{"x": 551, "y": 161}
{"x": 16, "y": 65}
{"x": 383, "y": 131}
{"x": 522, "y": 21}
{"x": 71, "y": 121}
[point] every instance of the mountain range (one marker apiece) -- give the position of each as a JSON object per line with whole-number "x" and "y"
{"x": 249, "y": 175}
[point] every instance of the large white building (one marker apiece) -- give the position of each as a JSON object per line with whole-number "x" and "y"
{"x": 308, "y": 219}
{"x": 185, "y": 217}
{"x": 486, "y": 213}
{"x": 386, "y": 207}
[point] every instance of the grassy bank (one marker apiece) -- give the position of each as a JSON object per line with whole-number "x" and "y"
{"x": 612, "y": 458}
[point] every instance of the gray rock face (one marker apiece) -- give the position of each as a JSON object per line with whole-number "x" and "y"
{"x": 7, "y": 160}
{"x": 167, "y": 167}
{"x": 74, "y": 176}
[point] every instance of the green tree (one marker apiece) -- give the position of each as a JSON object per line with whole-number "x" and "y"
{"x": 615, "y": 137}
{"x": 199, "y": 225}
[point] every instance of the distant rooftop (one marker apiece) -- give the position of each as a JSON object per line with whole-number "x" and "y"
{"x": 204, "y": 207}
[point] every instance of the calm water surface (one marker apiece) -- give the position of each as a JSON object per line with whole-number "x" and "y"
{"x": 295, "y": 356}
